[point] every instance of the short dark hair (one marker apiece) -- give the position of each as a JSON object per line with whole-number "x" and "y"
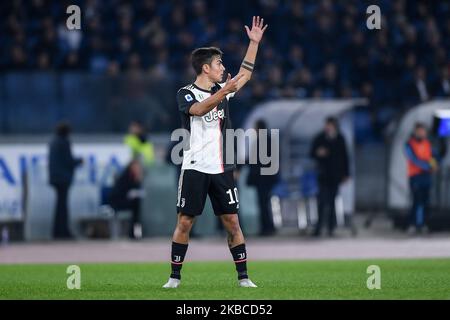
{"x": 420, "y": 125}
{"x": 63, "y": 129}
{"x": 333, "y": 121}
{"x": 202, "y": 56}
{"x": 261, "y": 124}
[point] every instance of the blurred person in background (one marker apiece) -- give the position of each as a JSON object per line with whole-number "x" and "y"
{"x": 62, "y": 165}
{"x": 127, "y": 193}
{"x": 421, "y": 165}
{"x": 417, "y": 90}
{"x": 140, "y": 147}
{"x": 329, "y": 150}
{"x": 263, "y": 185}
{"x": 441, "y": 87}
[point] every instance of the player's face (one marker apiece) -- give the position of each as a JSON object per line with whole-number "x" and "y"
{"x": 421, "y": 133}
{"x": 216, "y": 70}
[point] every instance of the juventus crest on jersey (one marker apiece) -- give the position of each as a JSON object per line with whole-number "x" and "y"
{"x": 206, "y": 151}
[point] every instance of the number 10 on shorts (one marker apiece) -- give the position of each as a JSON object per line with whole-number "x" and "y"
{"x": 235, "y": 199}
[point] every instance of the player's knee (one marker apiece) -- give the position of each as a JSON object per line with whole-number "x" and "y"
{"x": 230, "y": 218}
{"x": 234, "y": 228}
{"x": 237, "y": 229}
{"x": 185, "y": 224}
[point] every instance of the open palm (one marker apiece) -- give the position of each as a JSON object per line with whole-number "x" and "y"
{"x": 257, "y": 31}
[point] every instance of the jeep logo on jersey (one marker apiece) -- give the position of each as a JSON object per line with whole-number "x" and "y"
{"x": 214, "y": 115}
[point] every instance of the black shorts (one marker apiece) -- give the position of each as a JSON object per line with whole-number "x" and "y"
{"x": 193, "y": 186}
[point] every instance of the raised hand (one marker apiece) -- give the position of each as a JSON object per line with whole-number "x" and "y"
{"x": 257, "y": 31}
{"x": 232, "y": 84}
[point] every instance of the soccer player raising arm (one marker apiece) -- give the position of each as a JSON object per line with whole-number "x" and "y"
{"x": 204, "y": 112}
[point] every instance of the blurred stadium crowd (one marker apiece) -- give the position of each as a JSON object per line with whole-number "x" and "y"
{"x": 312, "y": 48}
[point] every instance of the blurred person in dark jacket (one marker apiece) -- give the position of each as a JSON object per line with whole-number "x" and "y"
{"x": 62, "y": 165}
{"x": 441, "y": 87}
{"x": 329, "y": 150}
{"x": 417, "y": 90}
{"x": 127, "y": 193}
{"x": 263, "y": 184}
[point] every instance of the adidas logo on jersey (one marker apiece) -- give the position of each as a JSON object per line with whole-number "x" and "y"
{"x": 214, "y": 115}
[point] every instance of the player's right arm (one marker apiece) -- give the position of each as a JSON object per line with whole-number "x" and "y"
{"x": 188, "y": 104}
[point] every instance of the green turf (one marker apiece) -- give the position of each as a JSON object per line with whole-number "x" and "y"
{"x": 400, "y": 279}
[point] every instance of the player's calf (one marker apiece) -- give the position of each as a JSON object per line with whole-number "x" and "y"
{"x": 239, "y": 254}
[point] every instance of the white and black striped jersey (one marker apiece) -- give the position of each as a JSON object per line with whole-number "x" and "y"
{"x": 206, "y": 150}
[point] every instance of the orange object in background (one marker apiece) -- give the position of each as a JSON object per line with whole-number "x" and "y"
{"x": 422, "y": 150}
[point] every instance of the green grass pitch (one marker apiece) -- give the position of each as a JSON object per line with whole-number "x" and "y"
{"x": 338, "y": 279}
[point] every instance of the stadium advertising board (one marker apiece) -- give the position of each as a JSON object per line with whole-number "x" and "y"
{"x": 25, "y": 166}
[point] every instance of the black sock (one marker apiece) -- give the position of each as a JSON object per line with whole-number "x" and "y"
{"x": 240, "y": 260}
{"x": 178, "y": 253}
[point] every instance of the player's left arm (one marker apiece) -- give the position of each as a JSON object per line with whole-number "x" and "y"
{"x": 255, "y": 35}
